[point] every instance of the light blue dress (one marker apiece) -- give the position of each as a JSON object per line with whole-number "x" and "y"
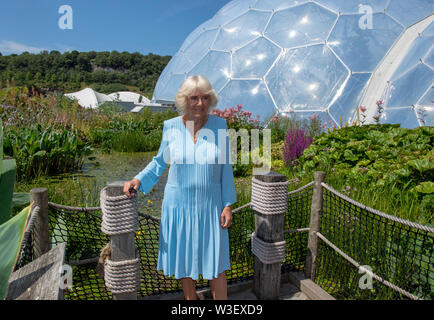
{"x": 200, "y": 184}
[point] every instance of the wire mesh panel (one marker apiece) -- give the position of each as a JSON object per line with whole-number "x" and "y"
{"x": 398, "y": 252}
{"x": 81, "y": 230}
{"x": 297, "y": 217}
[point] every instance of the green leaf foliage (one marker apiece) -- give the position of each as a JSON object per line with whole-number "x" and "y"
{"x": 7, "y": 183}
{"x": 375, "y": 156}
{"x": 11, "y": 235}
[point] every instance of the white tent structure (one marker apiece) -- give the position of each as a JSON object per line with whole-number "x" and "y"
{"x": 128, "y": 96}
{"x": 89, "y": 98}
{"x": 129, "y": 101}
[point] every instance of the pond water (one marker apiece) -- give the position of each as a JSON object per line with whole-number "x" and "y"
{"x": 82, "y": 188}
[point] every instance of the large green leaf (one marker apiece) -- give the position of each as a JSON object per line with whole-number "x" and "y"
{"x": 1, "y": 146}
{"x": 11, "y": 236}
{"x": 20, "y": 199}
{"x": 7, "y": 183}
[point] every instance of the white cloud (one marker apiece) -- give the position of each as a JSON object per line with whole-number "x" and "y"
{"x": 9, "y": 47}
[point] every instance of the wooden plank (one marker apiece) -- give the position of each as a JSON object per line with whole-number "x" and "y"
{"x": 39, "y": 280}
{"x": 307, "y": 286}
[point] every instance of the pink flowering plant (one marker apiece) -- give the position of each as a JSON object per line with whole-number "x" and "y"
{"x": 237, "y": 118}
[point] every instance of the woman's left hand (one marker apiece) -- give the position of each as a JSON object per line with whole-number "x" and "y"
{"x": 226, "y": 217}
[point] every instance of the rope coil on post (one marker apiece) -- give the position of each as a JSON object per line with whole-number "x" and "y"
{"x": 269, "y": 198}
{"x": 122, "y": 276}
{"x": 268, "y": 252}
{"x": 119, "y": 214}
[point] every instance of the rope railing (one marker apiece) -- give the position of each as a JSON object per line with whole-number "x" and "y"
{"x": 377, "y": 212}
{"x": 351, "y": 235}
{"x": 360, "y": 268}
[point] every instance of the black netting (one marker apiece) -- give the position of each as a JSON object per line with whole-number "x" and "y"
{"x": 398, "y": 253}
{"x": 297, "y": 217}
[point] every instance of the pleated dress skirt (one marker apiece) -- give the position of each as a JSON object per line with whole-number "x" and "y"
{"x": 192, "y": 241}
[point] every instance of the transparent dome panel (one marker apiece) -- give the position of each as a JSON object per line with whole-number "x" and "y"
{"x": 254, "y": 59}
{"x": 429, "y": 31}
{"x": 251, "y": 94}
{"x": 215, "y": 66}
{"x": 427, "y": 100}
{"x": 407, "y": 90}
{"x": 429, "y": 58}
{"x": 231, "y": 11}
{"x": 300, "y": 25}
{"x": 306, "y": 78}
{"x": 241, "y": 30}
{"x": 419, "y": 50}
{"x": 196, "y": 50}
{"x": 362, "y": 49}
{"x": 172, "y": 86}
{"x": 352, "y": 6}
{"x": 311, "y": 58}
{"x": 347, "y": 102}
{"x": 425, "y": 115}
{"x": 409, "y": 12}
{"x": 406, "y": 117}
{"x": 277, "y": 4}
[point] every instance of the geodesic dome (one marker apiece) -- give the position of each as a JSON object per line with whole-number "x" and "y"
{"x": 324, "y": 57}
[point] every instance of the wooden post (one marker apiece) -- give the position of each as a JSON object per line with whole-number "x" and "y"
{"x": 122, "y": 245}
{"x": 315, "y": 221}
{"x": 41, "y": 234}
{"x": 269, "y": 228}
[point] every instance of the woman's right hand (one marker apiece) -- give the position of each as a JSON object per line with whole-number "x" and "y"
{"x": 135, "y": 183}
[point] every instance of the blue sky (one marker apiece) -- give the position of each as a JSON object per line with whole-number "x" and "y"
{"x": 157, "y": 26}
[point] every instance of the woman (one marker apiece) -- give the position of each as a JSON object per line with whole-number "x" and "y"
{"x": 196, "y": 209}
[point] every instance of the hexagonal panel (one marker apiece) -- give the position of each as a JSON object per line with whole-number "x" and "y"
{"x": 420, "y": 48}
{"x": 408, "y": 89}
{"x": 230, "y": 11}
{"x": 347, "y": 102}
{"x": 216, "y": 66}
{"x": 362, "y": 49}
{"x": 306, "y": 78}
{"x": 253, "y": 60}
{"x": 277, "y": 4}
{"x": 404, "y": 116}
{"x": 171, "y": 87}
{"x": 410, "y": 12}
{"x": 241, "y": 30}
{"x": 353, "y": 6}
{"x": 194, "y": 51}
{"x": 300, "y": 25}
{"x": 429, "y": 58}
{"x": 252, "y": 94}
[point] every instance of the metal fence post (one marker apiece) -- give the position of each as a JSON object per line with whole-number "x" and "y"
{"x": 41, "y": 234}
{"x": 314, "y": 226}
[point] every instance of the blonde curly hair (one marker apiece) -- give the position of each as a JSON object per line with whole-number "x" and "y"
{"x": 188, "y": 86}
